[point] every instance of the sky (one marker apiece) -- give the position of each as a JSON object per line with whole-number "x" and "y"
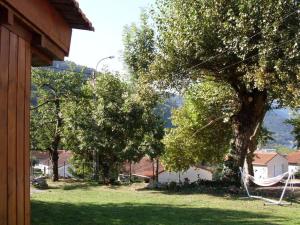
{"x": 108, "y": 18}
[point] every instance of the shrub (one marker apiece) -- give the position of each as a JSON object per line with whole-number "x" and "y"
{"x": 173, "y": 186}
{"x": 40, "y": 183}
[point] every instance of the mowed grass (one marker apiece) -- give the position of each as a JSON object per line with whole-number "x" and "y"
{"x": 84, "y": 204}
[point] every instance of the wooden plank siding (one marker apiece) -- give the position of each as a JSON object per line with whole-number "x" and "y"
{"x": 4, "y": 52}
{"x": 12, "y": 130}
{"x": 15, "y": 64}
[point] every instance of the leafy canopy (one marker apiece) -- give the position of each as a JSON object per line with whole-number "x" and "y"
{"x": 249, "y": 44}
{"x": 202, "y": 130}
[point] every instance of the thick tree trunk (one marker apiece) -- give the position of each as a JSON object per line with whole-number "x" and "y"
{"x": 157, "y": 171}
{"x": 153, "y": 171}
{"x": 130, "y": 171}
{"x": 246, "y": 124}
{"x": 56, "y": 141}
{"x": 97, "y": 166}
{"x": 54, "y": 159}
{"x": 106, "y": 170}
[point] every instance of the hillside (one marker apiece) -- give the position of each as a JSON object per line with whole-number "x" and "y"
{"x": 275, "y": 122}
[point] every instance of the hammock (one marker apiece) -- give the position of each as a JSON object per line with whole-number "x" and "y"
{"x": 267, "y": 183}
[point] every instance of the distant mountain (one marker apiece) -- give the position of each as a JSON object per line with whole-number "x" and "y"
{"x": 275, "y": 122}
{"x": 170, "y": 104}
{"x": 66, "y": 65}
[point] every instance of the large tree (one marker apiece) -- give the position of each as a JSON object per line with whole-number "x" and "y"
{"x": 112, "y": 120}
{"x": 251, "y": 46}
{"x": 202, "y": 127}
{"x": 96, "y": 123}
{"x": 52, "y": 90}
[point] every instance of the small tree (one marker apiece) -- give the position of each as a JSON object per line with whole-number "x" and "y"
{"x": 52, "y": 90}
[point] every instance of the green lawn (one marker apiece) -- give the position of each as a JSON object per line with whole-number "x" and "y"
{"x": 91, "y": 205}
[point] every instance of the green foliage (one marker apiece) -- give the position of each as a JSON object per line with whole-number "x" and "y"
{"x": 202, "y": 130}
{"x": 96, "y": 122}
{"x": 139, "y": 47}
{"x": 113, "y": 121}
{"x": 82, "y": 166}
{"x": 251, "y": 46}
{"x": 264, "y": 136}
{"x": 139, "y": 53}
{"x": 295, "y": 122}
{"x": 284, "y": 150}
{"x": 53, "y": 91}
{"x": 253, "y": 43}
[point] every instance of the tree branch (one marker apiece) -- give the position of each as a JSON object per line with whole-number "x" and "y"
{"x": 209, "y": 124}
{"x": 44, "y": 103}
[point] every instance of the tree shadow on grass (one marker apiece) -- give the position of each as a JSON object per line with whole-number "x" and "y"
{"x": 44, "y": 213}
{"x": 217, "y": 192}
{"x": 223, "y": 192}
{"x": 68, "y": 186}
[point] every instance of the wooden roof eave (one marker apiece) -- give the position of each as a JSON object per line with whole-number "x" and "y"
{"x": 50, "y": 37}
{"x": 72, "y": 13}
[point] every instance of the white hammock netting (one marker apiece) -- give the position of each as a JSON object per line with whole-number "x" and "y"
{"x": 268, "y": 181}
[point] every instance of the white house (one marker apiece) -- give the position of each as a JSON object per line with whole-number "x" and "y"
{"x": 41, "y": 161}
{"x": 294, "y": 161}
{"x": 146, "y": 169}
{"x": 269, "y": 164}
{"x": 192, "y": 174}
{"x": 45, "y": 165}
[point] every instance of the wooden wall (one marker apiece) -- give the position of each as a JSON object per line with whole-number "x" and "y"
{"x": 15, "y": 70}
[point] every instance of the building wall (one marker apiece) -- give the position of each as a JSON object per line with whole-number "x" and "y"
{"x": 64, "y": 171}
{"x": 260, "y": 172}
{"x": 193, "y": 174}
{"x": 15, "y": 64}
{"x": 43, "y": 168}
{"x": 294, "y": 168}
{"x": 278, "y": 165}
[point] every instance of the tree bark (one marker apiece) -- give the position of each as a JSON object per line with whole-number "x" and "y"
{"x": 245, "y": 124}
{"x": 56, "y": 141}
{"x": 157, "y": 171}
{"x": 54, "y": 159}
{"x": 153, "y": 171}
{"x": 97, "y": 166}
{"x": 130, "y": 171}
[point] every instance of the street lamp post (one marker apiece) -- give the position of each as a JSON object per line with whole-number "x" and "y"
{"x": 96, "y": 153}
{"x": 98, "y": 63}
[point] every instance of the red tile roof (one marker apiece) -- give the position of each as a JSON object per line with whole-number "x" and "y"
{"x": 145, "y": 168}
{"x": 72, "y": 13}
{"x": 294, "y": 157}
{"x": 41, "y": 156}
{"x": 262, "y": 158}
{"x": 142, "y": 168}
